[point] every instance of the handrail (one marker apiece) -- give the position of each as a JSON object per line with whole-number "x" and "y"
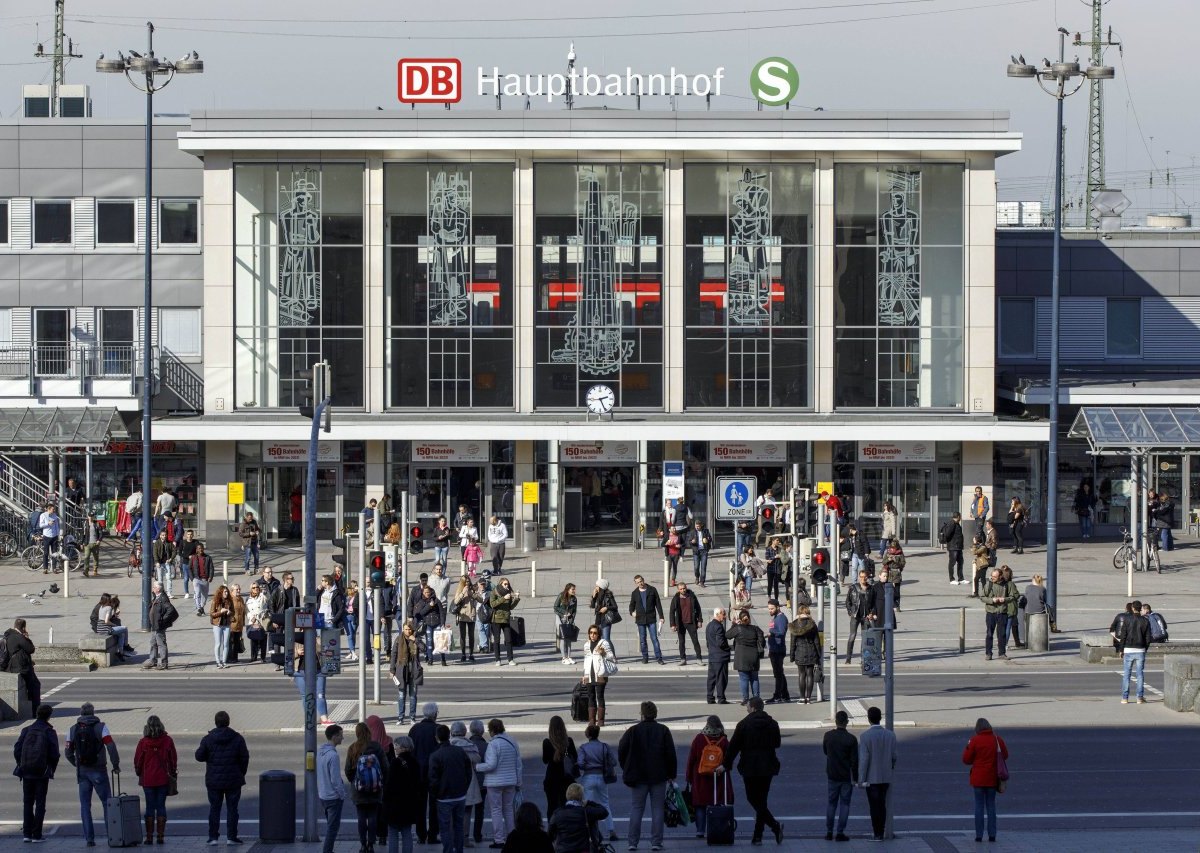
{"x": 181, "y": 379}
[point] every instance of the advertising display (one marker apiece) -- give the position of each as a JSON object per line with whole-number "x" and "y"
{"x": 450, "y": 451}
{"x": 727, "y": 452}
{"x": 297, "y": 451}
{"x": 896, "y": 451}
{"x": 586, "y": 452}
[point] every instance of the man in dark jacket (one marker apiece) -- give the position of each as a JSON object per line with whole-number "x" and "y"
{"x": 268, "y": 583}
{"x": 647, "y": 757}
{"x": 225, "y": 756}
{"x": 644, "y": 606}
{"x": 20, "y": 661}
{"x": 859, "y": 603}
{"x": 449, "y": 777}
{"x": 424, "y": 738}
{"x": 37, "y": 754}
{"x": 718, "y": 659}
{"x": 685, "y": 619}
{"x": 162, "y": 616}
{"x": 749, "y": 645}
{"x": 1137, "y": 642}
{"x": 756, "y": 739}
{"x": 575, "y": 826}
{"x": 285, "y": 596}
{"x": 417, "y": 593}
{"x": 951, "y": 535}
{"x": 249, "y": 531}
{"x": 841, "y": 769}
{"x": 700, "y": 541}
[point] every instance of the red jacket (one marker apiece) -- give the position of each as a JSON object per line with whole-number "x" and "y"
{"x": 702, "y": 785}
{"x": 154, "y": 759}
{"x": 981, "y": 755}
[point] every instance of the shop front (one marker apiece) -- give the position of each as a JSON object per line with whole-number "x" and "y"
{"x": 599, "y": 486}
{"x": 275, "y": 474}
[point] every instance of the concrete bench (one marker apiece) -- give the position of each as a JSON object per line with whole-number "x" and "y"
{"x": 13, "y": 703}
{"x": 100, "y": 649}
{"x": 1181, "y": 676}
{"x": 1097, "y": 647}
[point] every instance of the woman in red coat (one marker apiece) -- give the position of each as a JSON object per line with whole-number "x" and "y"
{"x": 701, "y": 780}
{"x": 155, "y": 763}
{"x": 981, "y": 754}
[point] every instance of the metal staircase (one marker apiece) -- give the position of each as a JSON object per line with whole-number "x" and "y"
{"x": 21, "y": 493}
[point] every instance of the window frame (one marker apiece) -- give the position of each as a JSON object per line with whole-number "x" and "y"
{"x": 1012, "y": 300}
{"x": 113, "y": 362}
{"x": 65, "y": 343}
{"x": 198, "y": 315}
{"x": 132, "y": 204}
{"x": 159, "y": 202}
{"x": 1141, "y": 321}
{"x": 69, "y": 243}
{"x": 6, "y": 219}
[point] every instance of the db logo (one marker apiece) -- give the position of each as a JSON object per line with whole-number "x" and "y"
{"x": 429, "y": 81}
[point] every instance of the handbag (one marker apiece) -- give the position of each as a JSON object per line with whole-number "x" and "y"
{"x": 611, "y": 616}
{"x": 1001, "y": 769}
{"x": 569, "y": 631}
{"x": 172, "y": 784}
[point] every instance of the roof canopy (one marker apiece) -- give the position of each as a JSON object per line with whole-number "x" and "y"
{"x": 86, "y": 427}
{"x": 1128, "y": 431}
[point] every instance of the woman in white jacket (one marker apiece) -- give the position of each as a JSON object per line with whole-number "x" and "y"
{"x": 599, "y": 662}
{"x": 258, "y": 616}
{"x": 497, "y": 534}
{"x": 502, "y": 770}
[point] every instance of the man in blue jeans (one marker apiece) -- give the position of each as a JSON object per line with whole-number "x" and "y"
{"x": 225, "y": 756}
{"x": 644, "y": 606}
{"x": 1137, "y": 641}
{"x": 330, "y": 788}
{"x": 87, "y": 742}
{"x": 647, "y": 757}
{"x": 450, "y": 774}
{"x": 841, "y": 769}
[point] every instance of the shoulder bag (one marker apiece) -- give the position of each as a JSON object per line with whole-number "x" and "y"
{"x": 1001, "y": 768}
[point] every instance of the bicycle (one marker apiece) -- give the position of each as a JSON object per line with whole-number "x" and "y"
{"x": 61, "y": 558}
{"x": 135, "y": 559}
{"x": 8, "y": 545}
{"x": 1126, "y": 553}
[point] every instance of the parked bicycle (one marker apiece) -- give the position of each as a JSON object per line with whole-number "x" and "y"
{"x": 1126, "y": 552}
{"x": 64, "y": 557}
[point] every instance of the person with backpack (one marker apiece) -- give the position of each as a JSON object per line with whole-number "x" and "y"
{"x": 1158, "y": 625}
{"x": 162, "y": 616}
{"x": 36, "y": 752}
{"x": 1133, "y": 653}
{"x": 225, "y": 756}
{"x": 705, "y": 755}
{"x": 87, "y": 742}
{"x": 951, "y": 537}
{"x": 157, "y": 765}
{"x": 366, "y": 772}
{"x": 16, "y": 658}
{"x": 597, "y": 765}
{"x": 450, "y": 775}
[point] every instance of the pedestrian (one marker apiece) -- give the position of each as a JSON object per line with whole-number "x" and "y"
{"x": 476, "y": 737}
{"x": 429, "y": 615}
{"x": 502, "y": 600}
{"x": 1012, "y": 604}
{"x": 402, "y": 799}
{"x": 19, "y": 651}
{"x": 330, "y": 789}
{"x": 322, "y": 705}
{"x": 777, "y": 631}
{"x": 221, "y": 615}
{"x": 366, "y": 772}
{"x": 225, "y": 756}
{"x": 1133, "y": 653}
{"x": 88, "y": 741}
{"x": 1035, "y": 601}
{"x": 599, "y": 664}
{"x": 981, "y": 507}
{"x": 980, "y": 561}
{"x": 983, "y": 754}
{"x": 268, "y": 583}
{"x": 237, "y": 624}
{"x": 91, "y": 546}
{"x": 876, "y": 766}
{"x": 450, "y": 775}
{"x": 700, "y": 541}
{"x": 991, "y": 540}
{"x": 497, "y": 536}
{"x": 573, "y": 827}
{"x": 442, "y": 534}
{"x": 806, "y": 651}
{"x": 286, "y": 596}
{"x": 164, "y": 555}
{"x": 857, "y": 547}
{"x": 258, "y": 622}
{"x": 705, "y": 755}
{"x": 750, "y": 568}
{"x": 859, "y": 607}
{"x": 527, "y": 835}
{"x": 890, "y": 527}
{"x": 502, "y": 771}
{"x": 463, "y": 605}
{"x": 995, "y": 602}
{"x": 295, "y": 512}
{"x": 161, "y": 617}
{"x": 1158, "y": 625}
{"x": 1119, "y": 629}
{"x": 646, "y": 754}
{"x": 604, "y": 604}
{"x": 249, "y": 531}
{"x": 1016, "y": 525}
{"x": 950, "y": 535}
{"x": 202, "y": 570}
{"x": 645, "y": 607}
{"x": 1162, "y": 521}
{"x": 36, "y": 753}
{"x": 748, "y": 644}
{"x": 566, "y": 631}
{"x": 424, "y": 738}
{"x": 716, "y": 641}
{"x": 379, "y": 735}
{"x": 743, "y": 536}
{"x": 686, "y": 617}
{"x": 406, "y": 672}
{"x": 740, "y": 601}
{"x": 672, "y": 545}
{"x": 756, "y": 739}
{"x": 597, "y": 770}
{"x": 49, "y": 525}
{"x": 474, "y": 798}
{"x": 468, "y": 534}
{"x": 440, "y": 584}
{"x": 562, "y": 764}
{"x": 483, "y": 614}
{"x": 841, "y": 771}
{"x": 350, "y": 625}
{"x": 105, "y": 620}
{"x": 157, "y": 766}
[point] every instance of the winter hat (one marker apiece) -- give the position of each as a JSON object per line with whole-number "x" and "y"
{"x": 714, "y": 728}
{"x": 602, "y": 583}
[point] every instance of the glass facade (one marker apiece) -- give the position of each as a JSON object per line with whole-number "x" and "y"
{"x": 898, "y": 286}
{"x": 450, "y": 284}
{"x": 747, "y": 273}
{"x": 599, "y": 258}
{"x": 298, "y": 280}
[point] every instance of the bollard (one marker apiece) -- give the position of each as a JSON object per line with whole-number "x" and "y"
{"x": 224, "y": 568}
{"x": 599, "y": 569}
{"x": 666, "y": 574}
{"x": 462, "y": 568}
{"x": 962, "y": 630}
{"x": 1037, "y": 632}
{"x": 533, "y": 578}
{"x": 51, "y": 639}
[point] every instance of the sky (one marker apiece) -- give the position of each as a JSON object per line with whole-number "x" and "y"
{"x": 851, "y": 54}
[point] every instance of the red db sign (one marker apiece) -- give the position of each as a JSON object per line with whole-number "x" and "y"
{"x": 429, "y": 81}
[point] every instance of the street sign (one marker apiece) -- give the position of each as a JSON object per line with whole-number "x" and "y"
{"x": 673, "y": 485}
{"x": 825, "y": 487}
{"x": 236, "y": 493}
{"x": 304, "y": 620}
{"x": 530, "y": 492}
{"x": 735, "y": 500}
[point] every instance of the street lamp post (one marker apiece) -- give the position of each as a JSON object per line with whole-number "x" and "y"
{"x": 148, "y": 68}
{"x": 1059, "y": 76}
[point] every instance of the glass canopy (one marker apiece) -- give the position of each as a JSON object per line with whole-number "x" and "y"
{"x": 87, "y": 427}
{"x": 1137, "y": 430}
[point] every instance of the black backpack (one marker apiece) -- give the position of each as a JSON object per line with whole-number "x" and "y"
{"x": 87, "y": 745}
{"x": 35, "y": 753}
{"x": 946, "y": 532}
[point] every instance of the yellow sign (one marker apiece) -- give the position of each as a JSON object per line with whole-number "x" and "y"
{"x": 530, "y": 492}
{"x": 237, "y": 493}
{"x": 824, "y": 487}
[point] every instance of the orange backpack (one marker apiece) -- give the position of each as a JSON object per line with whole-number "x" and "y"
{"x": 711, "y": 757}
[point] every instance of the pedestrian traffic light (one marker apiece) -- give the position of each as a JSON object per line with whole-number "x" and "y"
{"x": 376, "y": 569}
{"x": 415, "y": 545}
{"x": 344, "y": 545}
{"x": 316, "y": 386}
{"x": 800, "y": 511}
{"x": 820, "y": 566}
{"x": 767, "y": 511}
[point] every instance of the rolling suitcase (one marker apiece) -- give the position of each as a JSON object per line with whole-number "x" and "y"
{"x": 516, "y": 627}
{"x": 579, "y": 703}
{"x": 123, "y": 817}
{"x": 721, "y": 823}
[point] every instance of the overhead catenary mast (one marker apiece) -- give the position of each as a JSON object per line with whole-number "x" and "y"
{"x": 60, "y": 55}
{"x": 1095, "y": 127}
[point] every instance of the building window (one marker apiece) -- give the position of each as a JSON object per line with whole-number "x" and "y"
{"x": 898, "y": 286}
{"x": 450, "y": 284}
{"x": 178, "y": 223}
{"x": 599, "y": 255}
{"x": 179, "y": 330}
{"x": 747, "y": 268}
{"x": 1124, "y": 328}
{"x": 117, "y": 341}
{"x": 298, "y": 280}
{"x": 114, "y": 223}
{"x": 1018, "y": 328}
{"x": 51, "y": 223}
{"x": 4, "y": 222}
{"x": 51, "y": 330}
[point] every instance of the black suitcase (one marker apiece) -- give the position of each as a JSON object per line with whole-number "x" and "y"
{"x": 721, "y": 824}
{"x": 579, "y": 703}
{"x": 516, "y": 627}
{"x": 123, "y": 817}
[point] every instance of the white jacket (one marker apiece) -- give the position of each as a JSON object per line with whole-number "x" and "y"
{"x": 497, "y": 532}
{"x": 256, "y": 608}
{"x": 501, "y": 767}
{"x": 466, "y": 534}
{"x": 593, "y": 661}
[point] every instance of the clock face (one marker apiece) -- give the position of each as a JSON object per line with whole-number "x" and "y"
{"x": 600, "y": 399}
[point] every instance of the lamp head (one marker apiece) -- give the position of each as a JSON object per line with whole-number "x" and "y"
{"x": 190, "y": 64}
{"x": 1021, "y": 69}
{"x": 1101, "y": 72}
{"x": 110, "y": 66}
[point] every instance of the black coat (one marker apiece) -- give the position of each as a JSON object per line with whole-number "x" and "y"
{"x": 573, "y": 827}
{"x": 756, "y": 740}
{"x": 605, "y": 599}
{"x": 428, "y": 612}
{"x": 646, "y": 754}
{"x": 806, "y": 642}
{"x": 162, "y": 613}
{"x": 954, "y": 535}
{"x": 449, "y": 772}
{"x": 226, "y": 757}
{"x": 337, "y": 609}
{"x": 717, "y": 642}
{"x": 20, "y": 652}
{"x": 424, "y": 738}
{"x": 677, "y": 611}
{"x": 859, "y": 602}
{"x": 651, "y": 611}
{"x": 695, "y": 539}
{"x": 401, "y": 805}
{"x": 748, "y": 644}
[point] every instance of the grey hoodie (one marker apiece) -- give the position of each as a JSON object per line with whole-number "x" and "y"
{"x": 329, "y": 773}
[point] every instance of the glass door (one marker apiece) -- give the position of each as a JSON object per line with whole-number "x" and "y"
{"x": 877, "y": 486}
{"x": 432, "y": 489}
{"x": 914, "y": 505}
{"x": 254, "y": 502}
{"x": 328, "y": 509}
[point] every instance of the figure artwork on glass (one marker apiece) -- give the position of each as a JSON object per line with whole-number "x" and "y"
{"x": 900, "y": 254}
{"x": 300, "y": 239}
{"x": 750, "y": 266}
{"x": 449, "y": 233}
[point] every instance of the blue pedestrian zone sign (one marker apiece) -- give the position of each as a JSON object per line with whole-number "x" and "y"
{"x": 736, "y": 497}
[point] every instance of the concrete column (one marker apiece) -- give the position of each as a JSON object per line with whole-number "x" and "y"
{"x": 979, "y": 292}
{"x": 377, "y": 482}
{"x": 675, "y": 291}
{"x": 823, "y": 291}
{"x": 523, "y": 471}
{"x": 1037, "y": 632}
{"x": 375, "y": 297}
{"x": 822, "y": 454}
{"x": 526, "y": 263}
{"x": 220, "y": 467}
{"x": 218, "y": 286}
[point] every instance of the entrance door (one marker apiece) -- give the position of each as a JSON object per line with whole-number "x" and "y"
{"x": 598, "y": 505}
{"x": 909, "y": 490}
{"x": 290, "y": 481}
{"x": 441, "y": 491}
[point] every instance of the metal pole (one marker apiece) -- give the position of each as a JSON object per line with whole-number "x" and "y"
{"x": 87, "y": 485}
{"x": 833, "y": 589}
{"x": 361, "y": 604}
{"x": 533, "y": 578}
{"x": 312, "y": 806}
{"x": 1052, "y": 461}
{"x": 962, "y": 630}
{"x": 796, "y": 510}
{"x": 377, "y": 612}
{"x": 889, "y": 672}
{"x": 403, "y": 561}
{"x": 62, "y": 521}
{"x": 147, "y": 307}
{"x": 1143, "y": 552}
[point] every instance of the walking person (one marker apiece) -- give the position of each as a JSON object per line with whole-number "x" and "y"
{"x": 37, "y": 754}
{"x": 19, "y": 650}
{"x": 805, "y": 651}
{"x": 202, "y": 570}
{"x": 716, "y": 641}
{"x": 451, "y": 773}
{"x": 424, "y": 738}
{"x": 463, "y": 605}
{"x": 599, "y": 662}
{"x": 604, "y": 604}
{"x": 365, "y": 771}
{"x": 890, "y": 527}
{"x": 597, "y": 770}
{"x": 951, "y": 536}
{"x": 331, "y": 791}
{"x": 557, "y": 748}
{"x": 497, "y": 536}
{"x": 502, "y": 771}
{"x": 157, "y": 765}
{"x": 686, "y": 616}
{"x": 89, "y": 742}
{"x": 980, "y": 561}
{"x": 700, "y": 540}
{"x": 705, "y": 755}
{"x": 442, "y": 534}
{"x": 981, "y": 508}
{"x": 756, "y": 739}
{"x": 164, "y": 555}
{"x": 401, "y": 796}
{"x": 406, "y": 672}
{"x": 1017, "y": 518}
{"x": 429, "y": 615}
{"x": 161, "y": 617}
{"x": 1012, "y": 604}
{"x": 672, "y": 544}
{"x": 249, "y": 531}
{"x": 876, "y": 768}
{"x": 645, "y": 607}
{"x": 748, "y": 644}
{"x": 777, "y": 631}
{"x": 647, "y": 757}
{"x": 859, "y": 601}
{"x": 995, "y": 602}
{"x": 1133, "y": 653}
{"x": 565, "y": 607}
{"x": 322, "y": 705}
{"x": 841, "y": 771}
{"x": 983, "y": 754}
{"x": 221, "y": 615}
{"x": 225, "y": 756}
{"x": 503, "y": 599}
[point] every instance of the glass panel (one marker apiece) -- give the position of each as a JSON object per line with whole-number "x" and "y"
{"x": 327, "y": 502}
{"x": 51, "y": 330}
{"x": 1134, "y": 424}
{"x": 1124, "y": 328}
{"x": 114, "y": 222}
{"x": 1164, "y": 426}
{"x": 1104, "y": 426}
{"x": 914, "y": 505}
{"x": 1018, "y": 327}
{"x": 178, "y": 222}
{"x": 3, "y": 222}
{"x": 116, "y": 341}
{"x": 1189, "y": 422}
{"x": 51, "y": 222}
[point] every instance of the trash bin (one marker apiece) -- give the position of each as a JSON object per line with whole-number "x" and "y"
{"x": 277, "y": 806}
{"x": 529, "y": 536}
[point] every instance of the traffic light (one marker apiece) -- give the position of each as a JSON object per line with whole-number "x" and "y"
{"x": 767, "y": 511}
{"x": 820, "y": 566}
{"x": 342, "y": 559}
{"x": 415, "y": 545}
{"x": 800, "y": 511}
{"x": 317, "y": 386}
{"x": 376, "y": 569}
